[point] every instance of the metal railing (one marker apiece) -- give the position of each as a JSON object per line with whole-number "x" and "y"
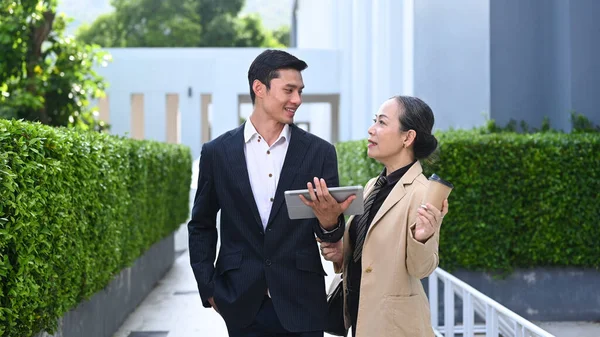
{"x": 499, "y": 321}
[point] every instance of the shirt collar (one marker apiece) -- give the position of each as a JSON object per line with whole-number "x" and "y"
{"x": 395, "y": 176}
{"x": 250, "y": 132}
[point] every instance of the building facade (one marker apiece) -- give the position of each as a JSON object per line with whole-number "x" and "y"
{"x": 470, "y": 60}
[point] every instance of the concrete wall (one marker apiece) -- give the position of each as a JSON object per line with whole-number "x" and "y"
{"x": 585, "y": 57}
{"x": 526, "y": 43}
{"x": 545, "y": 60}
{"x": 452, "y": 60}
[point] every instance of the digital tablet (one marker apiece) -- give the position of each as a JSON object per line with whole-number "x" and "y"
{"x": 298, "y": 210}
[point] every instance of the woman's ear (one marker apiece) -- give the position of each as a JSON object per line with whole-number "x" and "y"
{"x": 409, "y": 138}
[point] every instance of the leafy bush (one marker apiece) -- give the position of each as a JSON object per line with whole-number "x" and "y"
{"x": 579, "y": 124}
{"x": 76, "y": 208}
{"x": 520, "y": 200}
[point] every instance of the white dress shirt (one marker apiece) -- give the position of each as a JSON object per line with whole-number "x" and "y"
{"x": 264, "y": 165}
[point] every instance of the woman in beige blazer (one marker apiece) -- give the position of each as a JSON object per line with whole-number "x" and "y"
{"x": 387, "y": 250}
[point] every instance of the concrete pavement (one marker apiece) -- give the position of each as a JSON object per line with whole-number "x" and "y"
{"x": 173, "y": 308}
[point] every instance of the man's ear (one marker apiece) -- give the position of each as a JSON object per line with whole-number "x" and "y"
{"x": 259, "y": 88}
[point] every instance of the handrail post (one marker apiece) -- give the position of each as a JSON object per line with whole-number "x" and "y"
{"x": 433, "y": 299}
{"x": 468, "y": 314}
{"x": 448, "y": 308}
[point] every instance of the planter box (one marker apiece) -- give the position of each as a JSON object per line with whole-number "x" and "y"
{"x": 105, "y": 312}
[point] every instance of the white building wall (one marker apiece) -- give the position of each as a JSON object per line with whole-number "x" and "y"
{"x": 436, "y": 50}
{"x": 190, "y": 72}
{"x": 317, "y": 21}
{"x": 456, "y": 55}
{"x": 375, "y": 39}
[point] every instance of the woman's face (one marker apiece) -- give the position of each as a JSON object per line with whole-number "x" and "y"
{"x": 385, "y": 138}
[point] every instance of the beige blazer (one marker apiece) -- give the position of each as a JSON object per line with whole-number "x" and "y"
{"x": 392, "y": 300}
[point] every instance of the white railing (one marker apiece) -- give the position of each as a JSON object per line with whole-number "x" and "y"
{"x": 499, "y": 321}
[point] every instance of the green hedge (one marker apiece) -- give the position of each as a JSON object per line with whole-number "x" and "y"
{"x": 519, "y": 200}
{"x": 75, "y": 209}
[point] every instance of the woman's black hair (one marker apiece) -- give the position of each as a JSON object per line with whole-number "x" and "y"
{"x": 417, "y": 115}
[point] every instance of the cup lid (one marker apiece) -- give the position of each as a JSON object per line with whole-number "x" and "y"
{"x": 435, "y": 177}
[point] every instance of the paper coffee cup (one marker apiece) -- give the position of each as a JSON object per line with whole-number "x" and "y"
{"x": 438, "y": 191}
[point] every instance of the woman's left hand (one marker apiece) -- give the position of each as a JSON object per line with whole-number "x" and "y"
{"x": 332, "y": 251}
{"x": 326, "y": 208}
{"x": 428, "y": 220}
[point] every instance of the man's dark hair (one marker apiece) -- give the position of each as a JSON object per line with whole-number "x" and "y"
{"x": 266, "y": 66}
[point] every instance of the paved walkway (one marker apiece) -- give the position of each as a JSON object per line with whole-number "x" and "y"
{"x": 173, "y": 308}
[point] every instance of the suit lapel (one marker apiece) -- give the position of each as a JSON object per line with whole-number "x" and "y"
{"x": 398, "y": 192}
{"x": 295, "y": 154}
{"x": 237, "y": 162}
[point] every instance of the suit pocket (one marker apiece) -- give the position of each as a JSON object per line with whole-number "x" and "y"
{"x": 404, "y": 315}
{"x": 229, "y": 261}
{"x": 309, "y": 263}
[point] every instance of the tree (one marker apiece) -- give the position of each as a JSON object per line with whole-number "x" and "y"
{"x": 146, "y": 23}
{"x": 104, "y": 32}
{"x": 245, "y": 31}
{"x": 178, "y": 23}
{"x": 208, "y": 10}
{"x": 45, "y": 76}
{"x": 282, "y": 35}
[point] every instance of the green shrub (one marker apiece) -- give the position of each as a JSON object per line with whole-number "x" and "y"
{"x": 579, "y": 124}
{"x": 75, "y": 209}
{"x": 520, "y": 200}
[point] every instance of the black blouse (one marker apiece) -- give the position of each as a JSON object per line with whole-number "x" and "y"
{"x": 353, "y": 274}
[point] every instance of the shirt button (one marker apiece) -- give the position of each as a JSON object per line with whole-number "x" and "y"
{"x": 268, "y": 152}
{"x": 271, "y": 199}
{"x": 270, "y": 175}
{"x": 368, "y": 270}
{"x": 268, "y": 262}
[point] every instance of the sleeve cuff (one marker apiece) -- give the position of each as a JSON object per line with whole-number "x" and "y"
{"x": 205, "y": 294}
{"x": 333, "y": 235}
{"x": 326, "y": 231}
{"x": 415, "y": 245}
{"x": 340, "y": 224}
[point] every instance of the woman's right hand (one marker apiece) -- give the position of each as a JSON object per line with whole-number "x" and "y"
{"x": 333, "y": 251}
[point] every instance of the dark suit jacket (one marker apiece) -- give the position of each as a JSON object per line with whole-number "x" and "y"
{"x": 283, "y": 258}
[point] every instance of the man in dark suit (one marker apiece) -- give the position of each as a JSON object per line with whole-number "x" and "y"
{"x": 268, "y": 279}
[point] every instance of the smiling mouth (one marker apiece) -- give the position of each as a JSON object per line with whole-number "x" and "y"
{"x": 290, "y": 110}
{"x": 371, "y": 143}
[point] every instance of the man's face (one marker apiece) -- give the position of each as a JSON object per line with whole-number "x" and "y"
{"x": 285, "y": 96}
